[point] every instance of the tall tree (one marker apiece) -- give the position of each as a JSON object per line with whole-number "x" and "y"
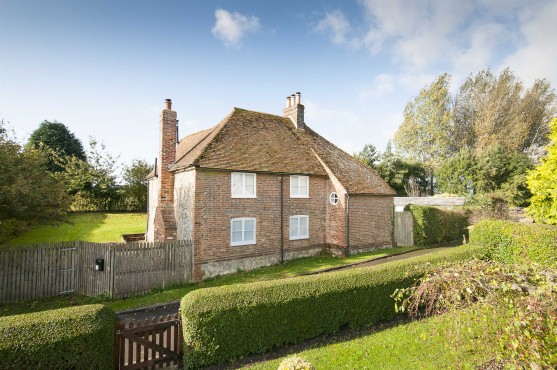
{"x": 369, "y": 156}
{"x": 497, "y": 110}
{"x": 56, "y": 136}
{"x": 135, "y": 182}
{"x": 28, "y": 193}
{"x": 425, "y": 134}
{"x": 542, "y": 182}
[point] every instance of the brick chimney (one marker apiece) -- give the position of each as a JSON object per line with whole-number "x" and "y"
{"x": 165, "y": 221}
{"x": 294, "y": 110}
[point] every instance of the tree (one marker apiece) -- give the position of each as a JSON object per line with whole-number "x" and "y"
{"x": 135, "y": 183}
{"x": 93, "y": 180}
{"x": 405, "y": 177}
{"x": 457, "y": 174}
{"x": 29, "y": 194}
{"x": 56, "y": 136}
{"x": 369, "y": 156}
{"x": 542, "y": 182}
{"x": 497, "y": 110}
{"x": 425, "y": 134}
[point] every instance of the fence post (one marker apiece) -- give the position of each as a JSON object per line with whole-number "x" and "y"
{"x": 112, "y": 254}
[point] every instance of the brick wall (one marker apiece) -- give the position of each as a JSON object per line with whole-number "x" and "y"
{"x": 165, "y": 222}
{"x": 370, "y": 221}
{"x": 214, "y": 208}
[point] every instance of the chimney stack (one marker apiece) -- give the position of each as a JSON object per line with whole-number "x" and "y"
{"x": 165, "y": 223}
{"x": 295, "y": 110}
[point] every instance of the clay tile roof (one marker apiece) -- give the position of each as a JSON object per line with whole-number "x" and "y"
{"x": 352, "y": 174}
{"x": 250, "y": 141}
{"x": 260, "y": 142}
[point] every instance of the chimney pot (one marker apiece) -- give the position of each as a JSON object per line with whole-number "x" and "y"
{"x": 298, "y": 98}
{"x": 287, "y": 102}
{"x": 168, "y": 104}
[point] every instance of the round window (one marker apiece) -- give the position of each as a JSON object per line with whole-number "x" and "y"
{"x": 333, "y": 198}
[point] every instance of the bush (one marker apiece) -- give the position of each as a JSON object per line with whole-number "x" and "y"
{"x": 295, "y": 363}
{"x": 434, "y": 225}
{"x": 69, "y": 338}
{"x": 228, "y": 322}
{"x": 513, "y": 242}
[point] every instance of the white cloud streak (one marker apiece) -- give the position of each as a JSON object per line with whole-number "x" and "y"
{"x": 231, "y": 28}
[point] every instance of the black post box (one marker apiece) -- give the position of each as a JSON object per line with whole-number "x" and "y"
{"x": 99, "y": 264}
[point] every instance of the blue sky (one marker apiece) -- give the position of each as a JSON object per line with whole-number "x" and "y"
{"x": 104, "y": 68}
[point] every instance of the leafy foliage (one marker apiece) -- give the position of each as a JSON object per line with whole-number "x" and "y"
{"x": 135, "y": 183}
{"x": 228, "y": 322}
{"x": 526, "y": 293}
{"x": 435, "y": 225}
{"x": 497, "y": 171}
{"x": 542, "y": 182}
{"x": 68, "y": 338}
{"x": 56, "y": 136}
{"x": 425, "y": 133}
{"x": 404, "y": 176}
{"x": 29, "y": 194}
{"x": 512, "y": 242}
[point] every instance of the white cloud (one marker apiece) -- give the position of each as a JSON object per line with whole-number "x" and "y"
{"x": 335, "y": 25}
{"x": 383, "y": 84}
{"x": 536, "y": 57}
{"x": 232, "y": 27}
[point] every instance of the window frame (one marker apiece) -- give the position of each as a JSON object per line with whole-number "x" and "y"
{"x": 298, "y": 177}
{"x": 331, "y": 198}
{"x": 298, "y": 237}
{"x": 244, "y": 195}
{"x": 244, "y": 241}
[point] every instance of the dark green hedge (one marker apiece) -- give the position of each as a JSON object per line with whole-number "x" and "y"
{"x": 513, "y": 242}
{"x": 229, "y": 322}
{"x": 79, "y": 337}
{"x": 434, "y": 225}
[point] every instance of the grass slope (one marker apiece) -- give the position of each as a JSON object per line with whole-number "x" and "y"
{"x": 93, "y": 227}
{"x": 288, "y": 269}
{"x": 452, "y": 341}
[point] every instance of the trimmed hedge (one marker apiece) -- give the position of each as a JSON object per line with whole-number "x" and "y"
{"x": 513, "y": 242}
{"x": 79, "y": 337}
{"x": 434, "y": 225}
{"x": 228, "y": 322}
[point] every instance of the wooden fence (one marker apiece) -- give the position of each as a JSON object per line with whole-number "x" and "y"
{"x": 39, "y": 271}
{"x": 404, "y": 229}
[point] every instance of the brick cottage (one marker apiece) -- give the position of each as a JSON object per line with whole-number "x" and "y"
{"x": 258, "y": 188}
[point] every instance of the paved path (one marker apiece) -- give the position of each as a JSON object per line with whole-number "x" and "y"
{"x": 173, "y": 307}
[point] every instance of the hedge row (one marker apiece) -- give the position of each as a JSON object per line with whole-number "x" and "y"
{"x": 434, "y": 225}
{"x": 513, "y": 242}
{"x": 229, "y": 322}
{"x": 68, "y": 338}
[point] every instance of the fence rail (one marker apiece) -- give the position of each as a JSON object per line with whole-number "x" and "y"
{"x": 46, "y": 270}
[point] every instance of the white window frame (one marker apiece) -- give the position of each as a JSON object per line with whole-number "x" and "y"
{"x": 243, "y": 195}
{"x": 244, "y": 241}
{"x": 296, "y": 218}
{"x": 334, "y": 195}
{"x": 295, "y": 182}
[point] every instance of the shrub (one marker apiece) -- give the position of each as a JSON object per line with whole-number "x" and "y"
{"x": 228, "y": 322}
{"x": 295, "y": 363}
{"x": 68, "y": 338}
{"x": 435, "y": 225}
{"x": 524, "y": 294}
{"x": 512, "y": 242}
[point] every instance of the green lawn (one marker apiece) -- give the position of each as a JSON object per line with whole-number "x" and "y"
{"x": 288, "y": 269}
{"x": 93, "y": 227}
{"x": 455, "y": 340}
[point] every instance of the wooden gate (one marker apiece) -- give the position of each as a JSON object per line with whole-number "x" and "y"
{"x": 148, "y": 344}
{"x": 68, "y": 257}
{"x": 404, "y": 229}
